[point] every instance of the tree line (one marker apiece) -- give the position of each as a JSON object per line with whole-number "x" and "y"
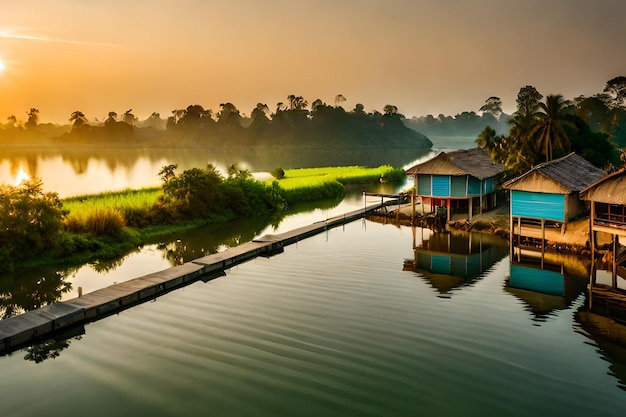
{"x": 292, "y": 123}
{"x": 546, "y": 128}
{"x": 603, "y": 112}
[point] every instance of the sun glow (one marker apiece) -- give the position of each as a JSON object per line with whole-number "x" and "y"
{"x": 21, "y": 176}
{"x": 2, "y": 66}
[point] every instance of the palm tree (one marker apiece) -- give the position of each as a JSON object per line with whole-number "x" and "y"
{"x": 548, "y": 129}
{"x": 78, "y": 118}
{"x": 486, "y": 139}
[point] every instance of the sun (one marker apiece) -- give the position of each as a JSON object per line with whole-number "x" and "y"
{"x": 2, "y": 66}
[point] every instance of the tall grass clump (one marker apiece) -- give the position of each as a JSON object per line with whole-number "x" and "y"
{"x": 133, "y": 206}
{"x": 101, "y": 221}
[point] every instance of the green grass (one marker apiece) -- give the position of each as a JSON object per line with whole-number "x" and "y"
{"x": 314, "y": 177}
{"x": 132, "y": 205}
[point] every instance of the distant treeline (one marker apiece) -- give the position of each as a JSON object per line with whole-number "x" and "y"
{"x": 292, "y": 124}
{"x": 603, "y": 112}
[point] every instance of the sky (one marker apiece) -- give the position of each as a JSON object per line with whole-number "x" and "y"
{"x": 423, "y": 56}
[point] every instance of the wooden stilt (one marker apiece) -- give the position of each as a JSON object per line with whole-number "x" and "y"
{"x": 511, "y": 237}
{"x": 543, "y": 240}
{"x": 519, "y": 238}
{"x": 614, "y": 262}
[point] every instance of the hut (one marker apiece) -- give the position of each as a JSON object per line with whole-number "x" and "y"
{"x": 607, "y": 203}
{"x": 548, "y": 194}
{"x": 456, "y": 181}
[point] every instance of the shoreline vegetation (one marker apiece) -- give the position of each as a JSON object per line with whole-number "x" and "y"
{"x": 40, "y": 229}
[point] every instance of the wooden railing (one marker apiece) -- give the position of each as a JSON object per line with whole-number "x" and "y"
{"x": 610, "y": 220}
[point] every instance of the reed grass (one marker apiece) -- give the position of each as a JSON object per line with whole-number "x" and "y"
{"x": 104, "y": 213}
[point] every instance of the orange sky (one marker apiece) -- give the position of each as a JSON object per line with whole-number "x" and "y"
{"x": 438, "y": 56}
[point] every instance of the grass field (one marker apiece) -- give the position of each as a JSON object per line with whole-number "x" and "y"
{"x": 312, "y": 177}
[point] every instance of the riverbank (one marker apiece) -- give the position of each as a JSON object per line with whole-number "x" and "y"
{"x": 573, "y": 239}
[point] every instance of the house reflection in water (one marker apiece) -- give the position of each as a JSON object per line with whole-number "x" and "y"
{"x": 451, "y": 260}
{"x": 547, "y": 283}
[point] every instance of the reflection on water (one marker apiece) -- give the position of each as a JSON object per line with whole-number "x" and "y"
{"x": 451, "y": 260}
{"x": 547, "y": 284}
{"x": 90, "y": 170}
{"x": 20, "y": 293}
{"x": 331, "y": 327}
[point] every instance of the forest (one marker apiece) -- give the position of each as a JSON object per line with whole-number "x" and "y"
{"x": 292, "y": 124}
{"x": 543, "y": 128}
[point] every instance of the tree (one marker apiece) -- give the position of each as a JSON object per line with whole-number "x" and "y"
{"x": 616, "y": 89}
{"x": 522, "y": 124}
{"x": 528, "y": 99}
{"x": 111, "y": 119}
{"x": 486, "y": 139}
{"x": 129, "y": 118}
{"x": 31, "y": 221}
{"x": 548, "y": 129}
{"x": 154, "y": 121}
{"x": 78, "y": 120}
{"x": 390, "y": 109}
{"x": 12, "y": 121}
{"x": 493, "y": 106}
{"x": 297, "y": 102}
{"x": 33, "y": 118}
{"x": 339, "y": 98}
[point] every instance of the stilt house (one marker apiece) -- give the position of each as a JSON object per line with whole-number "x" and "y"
{"x": 461, "y": 181}
{"x": 550, "y": 192}
{"x": 607, "y": 203}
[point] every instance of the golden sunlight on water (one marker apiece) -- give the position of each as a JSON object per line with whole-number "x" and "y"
{"x": 21, "y": 176}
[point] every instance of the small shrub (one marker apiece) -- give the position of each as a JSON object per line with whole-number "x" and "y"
{"x": 104, "y": 222}
{"x": 278, "y": 173}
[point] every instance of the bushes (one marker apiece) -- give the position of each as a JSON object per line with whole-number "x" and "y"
{"x": 195, "y": 193}
{"x": 31, "y": 221}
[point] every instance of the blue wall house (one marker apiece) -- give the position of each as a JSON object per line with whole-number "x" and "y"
{"x": 461, "y": 182}
{"x": 548, "y": 194}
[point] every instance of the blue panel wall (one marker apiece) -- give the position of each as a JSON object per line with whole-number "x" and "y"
{"x": 538, "y": 280}
{"x": 488, "y": 185}
{"x": 423, "y": 185}
{"x": 441, "y": 186}
{"x": 458, "y": 186}
{"x": 538, "y": 205}
{"x": 440, "y": 264}
{"x": 473, "y": 188}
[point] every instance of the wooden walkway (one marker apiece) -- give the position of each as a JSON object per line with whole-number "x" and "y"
{"x": 44, "y": 323}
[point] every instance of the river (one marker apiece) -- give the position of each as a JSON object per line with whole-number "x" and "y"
{"x": 343, "y": 323}
{"x": 368, "y": 319}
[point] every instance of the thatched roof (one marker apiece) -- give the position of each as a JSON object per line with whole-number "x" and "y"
{"x": 565, "y": 175}
{"x": 475, "y": 162}
{"x": 610, "y": 189}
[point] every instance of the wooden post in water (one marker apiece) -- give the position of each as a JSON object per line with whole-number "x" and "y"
{"x": 519, "y": 238}
{"x": 614, "y": 262}
{"x": 543, "y": 240}
{"x": 592, "y": 238}
{"x": 511, "y": 238}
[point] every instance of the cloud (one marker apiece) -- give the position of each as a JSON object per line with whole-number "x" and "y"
{"x": 41, "y": 38}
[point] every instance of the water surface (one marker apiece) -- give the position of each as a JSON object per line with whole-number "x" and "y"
{"x": 334, "y": 326}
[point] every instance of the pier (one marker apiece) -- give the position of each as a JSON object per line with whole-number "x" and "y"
{"x": 61, "y": 317}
